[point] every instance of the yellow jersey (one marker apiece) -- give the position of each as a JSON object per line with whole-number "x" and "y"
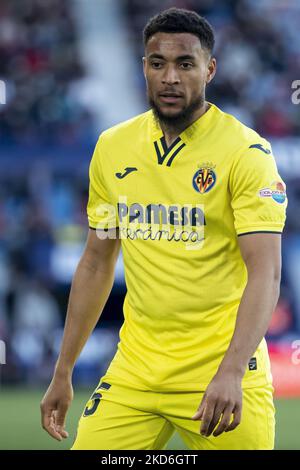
{"x": 179, "y": 210}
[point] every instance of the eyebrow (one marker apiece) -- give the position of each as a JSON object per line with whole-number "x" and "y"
{"x": 180, "y": 57}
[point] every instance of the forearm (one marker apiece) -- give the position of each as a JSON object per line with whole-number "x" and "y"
{"x": 90, "y": 289}
{"x": 257, "y": 305}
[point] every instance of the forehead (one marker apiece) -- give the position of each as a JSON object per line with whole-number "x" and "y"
{"x": 173, "y": 44}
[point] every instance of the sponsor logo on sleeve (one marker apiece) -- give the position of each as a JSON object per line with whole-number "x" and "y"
{"x": 276, "y": 191}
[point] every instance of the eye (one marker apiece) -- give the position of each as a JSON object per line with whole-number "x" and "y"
{"x": 186, "y": 65}
{"x": 156, "y": 65}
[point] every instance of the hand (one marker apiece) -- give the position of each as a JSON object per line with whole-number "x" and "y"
{"x": 223, "y": 397}
{"x": 54, "y": 407}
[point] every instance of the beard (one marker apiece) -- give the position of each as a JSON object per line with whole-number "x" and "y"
{"x": 180, "y": 120}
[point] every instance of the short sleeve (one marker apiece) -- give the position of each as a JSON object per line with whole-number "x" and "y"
{"x": 101, "y": 212}
{"x": 258, "y": 193}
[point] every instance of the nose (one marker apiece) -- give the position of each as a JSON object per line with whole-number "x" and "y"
{"x": 170, "y": 77}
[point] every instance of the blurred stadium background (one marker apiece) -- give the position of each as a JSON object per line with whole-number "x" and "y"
{"x": 69, "y": 69}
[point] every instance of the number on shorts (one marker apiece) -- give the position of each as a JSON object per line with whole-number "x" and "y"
{"x": 96, "y": 397}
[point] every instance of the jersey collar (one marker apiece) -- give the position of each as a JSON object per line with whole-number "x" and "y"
{"x": 196, "y": 129}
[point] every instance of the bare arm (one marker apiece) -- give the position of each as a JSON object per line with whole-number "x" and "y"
{"x": 262, "y": 256}
{"x": 91, "y": 286}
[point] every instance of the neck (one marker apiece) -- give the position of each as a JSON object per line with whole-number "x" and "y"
{"x": 171, "y": 132}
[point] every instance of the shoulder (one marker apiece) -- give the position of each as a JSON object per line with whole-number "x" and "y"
{"x": 241, "y": 136}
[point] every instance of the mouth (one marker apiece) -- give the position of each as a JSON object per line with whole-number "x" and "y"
{"x": 169, "y": 97}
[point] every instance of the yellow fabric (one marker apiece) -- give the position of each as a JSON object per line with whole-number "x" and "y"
{"x": 179, "y": 214}
{"x": 128, "y": 419}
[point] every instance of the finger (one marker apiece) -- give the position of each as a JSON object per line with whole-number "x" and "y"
{"x": 199, "y": 412}
{"x": 64, "y": 433}
{"x": 52, "y": 429}
{"x": 219, "y": 408}
{"x": 61, "y": 429}
{"x": 208, "y": 414}
{"x": 224, "y": 422}
{"x": 48, "y": 422}
{"x": 237, "y": 416}
{"x": 60, "y": 416}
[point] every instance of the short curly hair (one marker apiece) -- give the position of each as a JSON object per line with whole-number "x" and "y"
{"x": 180, "y": 20}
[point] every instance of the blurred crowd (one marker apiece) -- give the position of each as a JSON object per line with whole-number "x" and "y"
{"x": 43, "y": 227}
{"x": 37, "y": 211}
{"x": 43, "y": 222}
{"x": 40, "y": 65}
{"x": 257, "y": 51}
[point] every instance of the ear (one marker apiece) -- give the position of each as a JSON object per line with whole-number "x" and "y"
{"x": 211, "y": 70}
{"x": 144, "y": 66}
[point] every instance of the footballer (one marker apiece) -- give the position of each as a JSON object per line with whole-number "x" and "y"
{"x": 194, "y": 199}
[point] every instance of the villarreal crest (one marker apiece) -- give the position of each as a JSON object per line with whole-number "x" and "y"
{"x": 205, "y": 178}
